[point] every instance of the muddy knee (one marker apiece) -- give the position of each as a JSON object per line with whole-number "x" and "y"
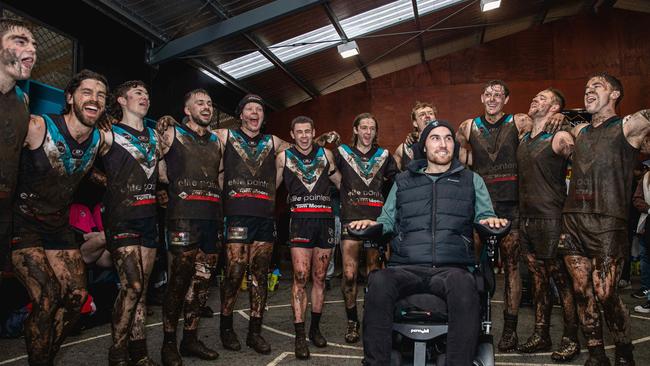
{"x": 133, "y": 291}
{"x": 300, "y": 278}
{"x": 74, "y": 299}
{"x": 49, "y": 299}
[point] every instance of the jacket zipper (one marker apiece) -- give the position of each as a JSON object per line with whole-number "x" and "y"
{"x": 433, "y": 224}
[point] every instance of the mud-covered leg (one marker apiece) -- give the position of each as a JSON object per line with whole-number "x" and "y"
{"x": 569, "y": 345}
{"x": 236, "y": 262}
{"x": 350, "y": 253}
{"x": 70, "y": 270}
{"x": 540, "y": 340}
{"x": 32, "y": 269}
{"x": 301, "y": 260}
{"x": 195, "y": 298}
{"x": 137, "y": 341}
{"x": 320, "y": 261}
{"x": 580, "y": 268}
{"x": 373, "y": 262}
{"x": 607, "y": 272}
{"x": 510, "y": 250}
{"x": 259, "y": 260}
{"x": 181, "y": 270}
{"x": 128, "y": 264}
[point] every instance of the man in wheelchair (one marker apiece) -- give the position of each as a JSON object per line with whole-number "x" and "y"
{"x": 430, "y": 211}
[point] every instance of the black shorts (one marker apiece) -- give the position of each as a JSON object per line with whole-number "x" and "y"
{"x": 346, "y": 236}
{"x": 191, "y": 233}
{"x": 312, "y": 233}
{"x": 30, "y": 233}
{"x": 142, "y": 232}
{"x": 247, "y": 229}
{"x": 594, "y": 236}
{"x": 508, "y": 210}
{"x": 540, "y": 237}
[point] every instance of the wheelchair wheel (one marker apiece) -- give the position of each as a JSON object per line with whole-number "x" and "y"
{"x": 484, "y": 354}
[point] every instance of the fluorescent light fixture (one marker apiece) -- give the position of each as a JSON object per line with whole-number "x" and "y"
{"x": 246, "y": 65}
{"x": 487, "y": 5}
{"x": 315, "y": 40}
{"x": 428, "y": 6}
{"x": 348, "y": 49}
{"x": 213, "y": 76}
{"x": 378, "y": 18}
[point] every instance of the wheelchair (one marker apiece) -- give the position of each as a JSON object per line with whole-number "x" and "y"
{"x": 420, "y": 320}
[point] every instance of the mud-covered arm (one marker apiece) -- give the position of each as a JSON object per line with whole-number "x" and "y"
{"x": 524, "y": 123}
{"x": 280, "y": 144}
{"x": 554, "y": 123}
{"x": 279, "y": 169}
{"x": 106, "y": 143}
{"x": 563, "y": 144}
{"x": 162, "y": 172}
{"x": 638, "y": 200}
{"x": 165, "y": 132}
{"x": 98, "y": 177}
{"x": 333, "y": 173}
{"x": 397, "y": 155}
{"x": 331, "y": 137}
{"x": 221, "y": 173}
{"x": 35, "y": 132}
{"x": 636, "y": 126}
{"x": 462, "y": 137}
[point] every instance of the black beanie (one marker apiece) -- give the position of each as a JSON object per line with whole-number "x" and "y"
{"x": 249, "y": 98}
{"x": 425, "y": 133}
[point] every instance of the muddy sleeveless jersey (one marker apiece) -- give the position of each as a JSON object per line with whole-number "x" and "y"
{"x": 307, "y": 181}
{"x": 602, "y": 168}
{"x": 249, "y": 175}
{"x": 50, "y": 174}
{"x": 494, "y": 156}
{"x": 131, "y": 171}
{"x": 542, "y": 185}
{"x": 193, "y": 172}
{"x": 362, "y": 181}
{"x": 407, "y": 155}
{"x": 14, "y": 121}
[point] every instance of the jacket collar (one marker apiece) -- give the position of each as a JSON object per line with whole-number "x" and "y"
{"x": 418, "y": 166}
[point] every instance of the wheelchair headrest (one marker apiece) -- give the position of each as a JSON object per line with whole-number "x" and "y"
{"x": 485, "y": 232}
{"x": 373, "y": 232}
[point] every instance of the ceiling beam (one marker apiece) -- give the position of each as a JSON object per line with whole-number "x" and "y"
{"x": 128, "y": 19}
{"x": 417, "y": 23}
{"x": 264, "y": 50}
{"x": 238, "y": 24}
{"x": 339, "y": 29}
{"x": 303, "y": 84}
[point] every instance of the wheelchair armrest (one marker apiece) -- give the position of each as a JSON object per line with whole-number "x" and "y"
{"x": 486, "y": 232}
{"x": 373, "y": 232}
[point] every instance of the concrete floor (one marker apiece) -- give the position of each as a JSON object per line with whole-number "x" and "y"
{"x": 90, "y": 348}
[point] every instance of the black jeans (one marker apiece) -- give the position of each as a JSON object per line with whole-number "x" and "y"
{"x": 457, "y": 286}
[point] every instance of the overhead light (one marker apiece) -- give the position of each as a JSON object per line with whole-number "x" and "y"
{"x": 487, "y": 5}
{"x": 348, "y": 49}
